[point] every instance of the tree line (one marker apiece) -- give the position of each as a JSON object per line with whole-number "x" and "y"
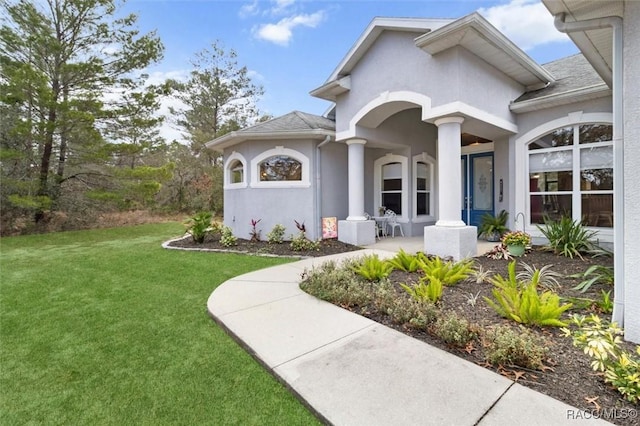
{"x": 79, "y": 122}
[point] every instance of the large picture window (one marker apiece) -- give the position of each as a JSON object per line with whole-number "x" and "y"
{"x": 280, "y": 167}
{"x": 571, "y": 174}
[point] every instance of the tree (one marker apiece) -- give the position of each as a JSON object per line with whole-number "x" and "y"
{"x": 59, "y": 58}
{"x": 219, "y": 97}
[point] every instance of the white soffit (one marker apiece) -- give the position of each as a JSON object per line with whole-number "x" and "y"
{"x": 477, "y": 35}
{"x": 596, "y": 45}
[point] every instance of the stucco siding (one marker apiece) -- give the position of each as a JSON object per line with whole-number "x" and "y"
{"x": 632, "y": 169}
{"x": 270, "y": 205}
{"x": 394, "y": 63}
{"x": 334, "y": 200}
{"x": 530, "y": 120}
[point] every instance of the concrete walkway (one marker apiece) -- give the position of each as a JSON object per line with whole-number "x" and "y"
{"x": 350, "y": 370}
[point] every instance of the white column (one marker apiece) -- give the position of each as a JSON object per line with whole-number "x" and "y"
{"x": 449, "y": 173}
{"x": 356, "y": 179}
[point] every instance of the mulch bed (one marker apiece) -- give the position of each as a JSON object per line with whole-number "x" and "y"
{"x": 567, "y": 377}
{"x": 327, "y": 247}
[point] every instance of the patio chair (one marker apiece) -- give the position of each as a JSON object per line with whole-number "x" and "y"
{"x": 379, "y": 231}
{"x": 392, "y": 222}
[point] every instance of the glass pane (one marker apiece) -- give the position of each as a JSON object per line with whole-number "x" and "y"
{"x": 280, "y": 167}
{"x": 393, "y": 201}
{"x": 483, "y": 183}
{"x": 552, "y": 206}
{"x": 592, "y": 158}
{"x": 236, "y": 176}
{"x": 392, "y": 170}
{"x": 596, "y": 179}
{"x": 551, "y": 161}
{"x": 236, "y": 172}
{"x": 422, "y": 203}
{"x": 590, "y": 133}
{"x": 392, "y": 185}
{"x": 423, "y": 176}
{"x": 560, "y": 137}
{"x": 597, "y": 210}
{"x": 550, "y": 181}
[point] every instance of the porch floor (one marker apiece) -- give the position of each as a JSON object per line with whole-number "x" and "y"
{"x": 415, "y": 244}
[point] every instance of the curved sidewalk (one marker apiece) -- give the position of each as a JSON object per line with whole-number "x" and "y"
{"x": 353, "y": 371}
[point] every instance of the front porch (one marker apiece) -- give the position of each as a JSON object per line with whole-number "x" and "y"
{"x": 416, "y": 244}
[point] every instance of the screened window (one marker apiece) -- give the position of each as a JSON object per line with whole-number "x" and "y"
{"x": 391, "y": 193}
{"x": 280, "y": 168}
{"x": 423, "y": 188}
{"x": 571, "y": 174}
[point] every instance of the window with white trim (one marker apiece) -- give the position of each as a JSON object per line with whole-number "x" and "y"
{"x": 235, "y": 171}
{"x": 390, "y": 183}
{"x": 423, "y": 174}
{"x": 571, "y": 174}
{"x": 281, "y": 168}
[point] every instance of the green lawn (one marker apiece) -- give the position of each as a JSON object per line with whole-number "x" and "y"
{"x": 106, "y": 327}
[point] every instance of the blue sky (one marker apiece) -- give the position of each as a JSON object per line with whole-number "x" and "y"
{"x": 292, "y": 46}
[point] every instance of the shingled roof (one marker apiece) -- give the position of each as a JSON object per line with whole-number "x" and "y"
{"x": 573, "y": 74}
{"x": 295, "y": 121}
{"x": 293, "y": 125}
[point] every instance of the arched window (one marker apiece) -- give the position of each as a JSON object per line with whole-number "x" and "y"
{"x": 423, "y": 192}
{"x": 391, "y": 183}
{"x": 280, "y": 167}
{"x": 235, "y": 171}
{"x": 571, "y": 174}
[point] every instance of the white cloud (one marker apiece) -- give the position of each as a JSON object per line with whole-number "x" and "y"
{"x": 249, "y": 9}
{"x": 282, "y": 32}
{"x": 281, "y": 6}
{"x": 526, "y": 22}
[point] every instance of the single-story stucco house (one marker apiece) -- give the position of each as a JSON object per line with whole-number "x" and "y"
{"x": 442, "y": 120}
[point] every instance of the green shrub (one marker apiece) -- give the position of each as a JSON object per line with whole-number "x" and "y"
{"x": 546, "y": 277}
{"x": 594, "y": 274}
{"x": 404, "y": 310}
{"x": 403, "y": 261}
{"x": 337, "y": 284}
{"x": 449, "y": 273}
{"x": 426, "y": 290}
{"x": 521, "y": 302}
{"x": 276, "y": 235}
{"x": 492, "y": 227}
{"x": 199, "y": 226}
{"x": 506, "y": 346}
{"x": 454, "y": 330}
{"x": 567, "y": 237}
{"x": 371, "y": 268}
{"x": 302, "y": 243}
{"x": 227, "y": 239}
{"x": 602, "y": 340}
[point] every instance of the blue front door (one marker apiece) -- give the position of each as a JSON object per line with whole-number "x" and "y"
{"x": 477, "y": 187}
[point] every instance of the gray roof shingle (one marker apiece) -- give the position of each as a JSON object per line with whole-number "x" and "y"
{"x": 571, "y": 73}
{"x": 295, "y": 121}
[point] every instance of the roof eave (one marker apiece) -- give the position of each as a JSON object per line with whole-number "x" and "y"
{"x": 330, "y": 91}
{"x": 489, "y": 33}
{"x": 569, "y": 97}
{"x": 234, "y": 138}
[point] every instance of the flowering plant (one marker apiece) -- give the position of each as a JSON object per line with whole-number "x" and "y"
{"x": 516, "y": 238}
